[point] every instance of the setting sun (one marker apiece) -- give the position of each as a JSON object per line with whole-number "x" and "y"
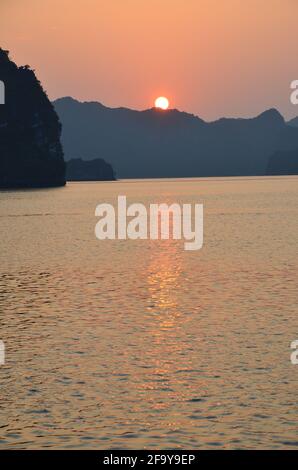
{"x": 162, "y": 102}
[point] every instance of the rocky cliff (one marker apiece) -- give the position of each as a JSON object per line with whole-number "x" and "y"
{"x": 30, "y": 150}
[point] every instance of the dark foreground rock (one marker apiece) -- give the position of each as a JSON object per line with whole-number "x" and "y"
{"x": 92, "y": 170}
{"x": 31, "y": 154}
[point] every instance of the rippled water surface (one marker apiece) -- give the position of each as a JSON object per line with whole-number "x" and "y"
{"x": 140, "y": 344}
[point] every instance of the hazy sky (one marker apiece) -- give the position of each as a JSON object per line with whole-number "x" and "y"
{"x": 210, "y": 57}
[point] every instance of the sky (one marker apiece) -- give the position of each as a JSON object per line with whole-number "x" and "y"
{"x": 212, "y": 58}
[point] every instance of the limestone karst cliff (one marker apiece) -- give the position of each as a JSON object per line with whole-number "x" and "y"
{"x": 31, "y": 153}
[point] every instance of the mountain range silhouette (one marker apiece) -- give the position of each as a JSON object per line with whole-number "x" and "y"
{"x": 155, "y": 143}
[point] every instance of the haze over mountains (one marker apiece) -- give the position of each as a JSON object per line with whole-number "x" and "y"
{"x": 155, "y": 143}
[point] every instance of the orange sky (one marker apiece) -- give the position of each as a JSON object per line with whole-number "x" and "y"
{"x": 210, "y": 57}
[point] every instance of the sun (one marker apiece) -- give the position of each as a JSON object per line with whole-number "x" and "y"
{"x": 162, "y": 102}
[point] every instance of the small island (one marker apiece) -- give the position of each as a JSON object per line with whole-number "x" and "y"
{"x": 91, "y": 170}
{"x": 31, "y": 154}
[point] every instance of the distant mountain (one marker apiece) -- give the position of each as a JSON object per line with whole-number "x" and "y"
{"x": 155, "y": 143}
{"x": 30, "y": 150}
{"x": 283, "y": 163}
{"x": 293, "y": 122}
{"x": 92, "y": 170}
